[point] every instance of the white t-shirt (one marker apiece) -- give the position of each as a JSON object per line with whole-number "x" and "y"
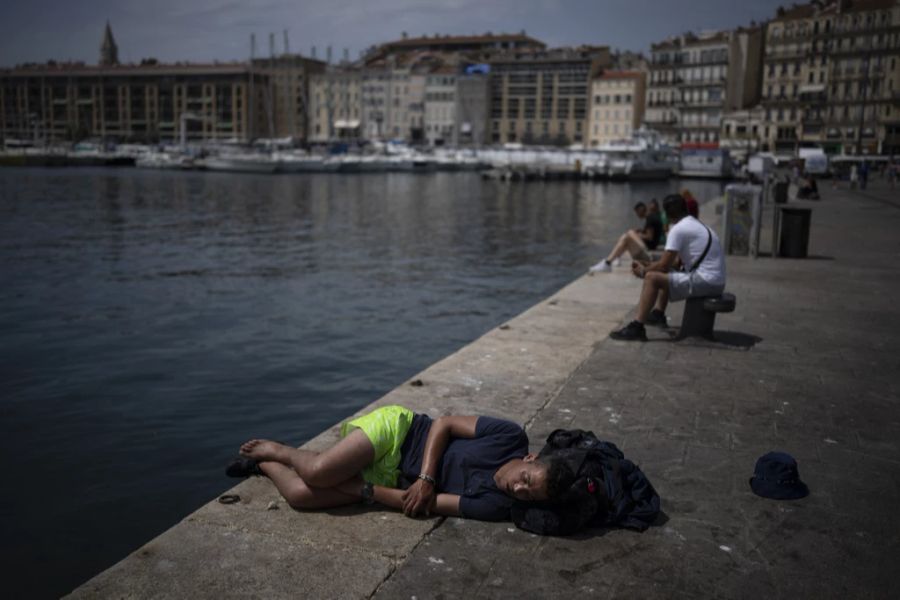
{"x": 688, "y": 238}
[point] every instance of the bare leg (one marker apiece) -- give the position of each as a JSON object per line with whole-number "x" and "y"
{"x": 654, "y": 282}
{"x": 662, "y": 298}
{"x": 301, "y": 496}
{"x": 633, "y": 244}
{"x": 320, "y": 470}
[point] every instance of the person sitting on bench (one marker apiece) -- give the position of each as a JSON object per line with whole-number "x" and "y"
{"x": 467, "y": 466}
{"x": 808, "y": 189}
{"x": 699, "y": 250}
{"x": 638, "y": 242}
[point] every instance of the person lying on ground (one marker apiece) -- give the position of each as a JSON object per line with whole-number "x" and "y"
{"x": 699, "y": 250}
{"x": 467, "y": 466}
{"x": 637, "y": 242}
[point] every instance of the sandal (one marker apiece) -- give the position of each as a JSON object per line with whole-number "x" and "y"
{"x": 243, "y": 467}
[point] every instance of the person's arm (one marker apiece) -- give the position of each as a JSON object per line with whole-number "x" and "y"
{"x": 420, "y": 496}
{"x": 444, "y": 504}
{"x": 663, "y": 265}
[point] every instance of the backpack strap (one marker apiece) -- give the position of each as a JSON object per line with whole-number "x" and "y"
{"x": 705, "y": 251}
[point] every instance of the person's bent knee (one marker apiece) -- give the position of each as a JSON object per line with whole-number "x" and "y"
{"x": 318, "y": 475}
{"x": 299, "y": 498}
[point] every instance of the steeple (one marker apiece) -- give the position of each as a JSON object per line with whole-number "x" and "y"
{"x": 109, "y": 52}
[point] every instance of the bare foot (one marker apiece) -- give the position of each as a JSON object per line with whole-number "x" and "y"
{"x": 263, "y": 450}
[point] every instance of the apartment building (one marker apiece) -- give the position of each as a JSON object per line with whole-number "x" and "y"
{"x": 695, "y": 78}
{"x": 742, "y": 131}
{"x": 336, "y": 104}
{"x": 832, "y": 77}
{"x": 617, "y": 106}
{"x": 440, "y": 107}
{"x": 472, "y": 99}
{"x": 542, "y": 96}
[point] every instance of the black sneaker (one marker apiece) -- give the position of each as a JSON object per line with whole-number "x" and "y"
{"x": 657, "y": 318}
{"x": 633, "y": 332}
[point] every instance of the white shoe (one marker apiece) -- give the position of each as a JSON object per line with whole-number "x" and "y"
{"x": 601, "y": 267}
{"x": 617, "y": 262}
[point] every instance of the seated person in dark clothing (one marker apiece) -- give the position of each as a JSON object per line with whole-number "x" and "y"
{"x": 637, "y": 242}
{"x": 472, "y": 467}
{"x": 808, "y": 189}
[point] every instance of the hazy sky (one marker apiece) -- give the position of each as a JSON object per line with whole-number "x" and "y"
{"x": 205, "y": 30}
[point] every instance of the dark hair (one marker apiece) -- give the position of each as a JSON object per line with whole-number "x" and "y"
{"x": 559, "y": 478}
{"x": 675, "y": 206}
{"x": 639, "y": 205}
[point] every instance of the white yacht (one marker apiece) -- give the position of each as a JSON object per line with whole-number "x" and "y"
{"x": 298, "y": 162}
{"x": 705, "y": 160}
{"x": 241, "y": 163}
{"x": 163, "y": 160}
{"x": 644, "y": 156}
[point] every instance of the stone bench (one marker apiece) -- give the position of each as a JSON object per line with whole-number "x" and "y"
{"x": 699, "y": 316}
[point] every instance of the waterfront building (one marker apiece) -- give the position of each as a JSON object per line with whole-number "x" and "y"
{"x": 151, "y": 102}
{"x": 471, "y": 107}
{"x": 336, "y": 104}
{"x": 440, "y": 106}
{"x": 742, "y": 131}
{"x": 541, "y": 97}
{"x": 375, "y": 94}
{"x": 617, "y": 106}
{"x": 695, "y": 78}
{"x": 832, "y": 77}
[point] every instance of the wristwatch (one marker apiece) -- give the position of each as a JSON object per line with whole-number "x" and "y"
{"x": 368, "y": 493}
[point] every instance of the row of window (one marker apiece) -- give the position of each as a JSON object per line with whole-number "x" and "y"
{"x": 613, "y": 99}
{"x": 612, "y": 114}
{"x": 613, "y": 129}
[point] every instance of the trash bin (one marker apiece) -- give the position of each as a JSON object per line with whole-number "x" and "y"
{"x": 781, "y": 192}
{"x": 794, "y": 238}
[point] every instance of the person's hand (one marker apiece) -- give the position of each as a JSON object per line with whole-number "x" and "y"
{"x": 638, "y": 269}
{"x": 419, "y": 498}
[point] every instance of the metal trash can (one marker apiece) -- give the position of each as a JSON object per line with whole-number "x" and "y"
{"x": 781, "y": 192}
{"x": 794, "y": 238}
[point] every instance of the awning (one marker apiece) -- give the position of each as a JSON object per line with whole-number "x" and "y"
{"x": 341, "y": 124}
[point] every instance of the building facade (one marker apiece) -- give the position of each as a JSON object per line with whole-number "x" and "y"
{"x": 542, "y": 97}
{"x": 695, "y": 79}
{"x": 832, "y": 77}
{"x": 617, "y": 106}
{"x": 472, "y": 108}
{"x": 152, "y": 102}
{"x": 440, "y": 107}
{"x": 336, "y": 105}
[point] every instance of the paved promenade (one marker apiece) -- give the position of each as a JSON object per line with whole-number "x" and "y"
{"x": 809, "y": 365}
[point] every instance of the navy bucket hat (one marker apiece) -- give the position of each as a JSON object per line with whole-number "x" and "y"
{"x": 776, "y": 476}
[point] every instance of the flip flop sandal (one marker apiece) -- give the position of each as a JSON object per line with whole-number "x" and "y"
{"x": 229, "y": 499}
{"x": 243, "y": 467}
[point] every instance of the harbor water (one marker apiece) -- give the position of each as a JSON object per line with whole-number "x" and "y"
{"x": 153, "y": 320}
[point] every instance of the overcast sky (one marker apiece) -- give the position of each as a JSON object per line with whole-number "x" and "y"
{"x": 206, "y": 30}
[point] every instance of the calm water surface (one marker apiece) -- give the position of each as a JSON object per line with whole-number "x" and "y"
{"x": 152, "y": 321}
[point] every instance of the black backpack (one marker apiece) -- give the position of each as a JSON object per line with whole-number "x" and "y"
{"x": 609, "y": 490}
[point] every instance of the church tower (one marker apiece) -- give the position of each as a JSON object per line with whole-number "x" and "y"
{"x": 109, "y": 52}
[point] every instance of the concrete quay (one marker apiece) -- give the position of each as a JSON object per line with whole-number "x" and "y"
{"x": 807, "y": 364}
